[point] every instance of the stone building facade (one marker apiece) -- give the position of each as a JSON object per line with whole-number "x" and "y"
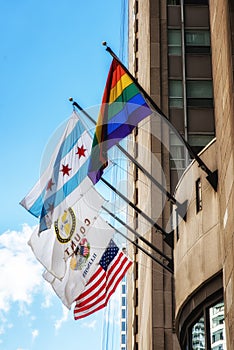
{"x": 181, "y": 52}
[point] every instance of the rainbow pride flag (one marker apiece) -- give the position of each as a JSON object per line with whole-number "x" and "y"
{"x": 122, "y": 108}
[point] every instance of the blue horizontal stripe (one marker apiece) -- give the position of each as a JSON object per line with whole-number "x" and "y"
{"x": 125, "y": 129}
{"x": 128, "y": 109}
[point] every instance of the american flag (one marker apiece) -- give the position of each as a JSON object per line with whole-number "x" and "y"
{"x": 103, "y": 283}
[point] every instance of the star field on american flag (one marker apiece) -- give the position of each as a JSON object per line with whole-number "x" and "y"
{"x": 109, "y": 254}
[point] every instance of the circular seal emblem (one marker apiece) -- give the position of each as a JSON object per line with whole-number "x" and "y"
{"x": 65, "y": 226}
{"x": 80, "y": 255}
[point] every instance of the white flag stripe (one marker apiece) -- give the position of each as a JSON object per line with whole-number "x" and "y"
{"x": 98, "y": 296}
{"x": 96, "y": 284}
{"x": 94, "y": 289}
{"x": 78, "y": 315}
{"x": 117, "y": 269}
{"x": 100, "y": 302}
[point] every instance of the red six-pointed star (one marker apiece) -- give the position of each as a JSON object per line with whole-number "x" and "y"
{"x": 65, "y": 170}
{"x": 50, "y": 185}
{"x": 81, "y": 151}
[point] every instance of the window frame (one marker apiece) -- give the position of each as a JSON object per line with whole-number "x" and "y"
{"x": 209, "y": 294}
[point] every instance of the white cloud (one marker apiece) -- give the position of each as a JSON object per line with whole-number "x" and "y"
{"x": 20, "y": 272}
{"x": 35, "y": 333}
{"x": 2, "y": 329}
{"x": 91, "y": 325}
{"x": 49, "y": 294}
{"x": 23, "y": 309}
{"x": 63, "y": 319}
{"x": 47, "y": 302}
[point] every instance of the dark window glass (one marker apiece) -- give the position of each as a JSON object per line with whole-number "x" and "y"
{"x": 198, "y": 49}
{"x": 197, "y": 41}
{"x": 174, "y": 42}
{"x": 196, "y": 2}
{"x": 199, "y": 93}
{"x": 197, "y": 38}
{"x": 176, "y": 94}
{"x": 198, "y": 142}
{"x": 173, "y": 2}
{"x": 202, "y": 102}
{"x": 198, "y": 195}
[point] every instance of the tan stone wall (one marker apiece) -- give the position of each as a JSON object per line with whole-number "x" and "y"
{"x": 224, "y": 116}
{"x": 197, "y": 252}
{"x": 140, "y": 326}
{"x": 206, "y": 243}
{"x": 154, "y": 283}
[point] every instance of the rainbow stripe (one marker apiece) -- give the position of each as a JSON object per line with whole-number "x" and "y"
{"x": 123, "y": 107}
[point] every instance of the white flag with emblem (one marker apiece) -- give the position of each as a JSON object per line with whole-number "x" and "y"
{"x": 80, "y": 270}
{"x": 72, "y": 234}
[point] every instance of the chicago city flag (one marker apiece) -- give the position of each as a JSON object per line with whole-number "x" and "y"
{"x": 65, "y": 179}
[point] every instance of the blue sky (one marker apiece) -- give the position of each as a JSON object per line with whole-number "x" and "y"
{"x": 50, "y": 50}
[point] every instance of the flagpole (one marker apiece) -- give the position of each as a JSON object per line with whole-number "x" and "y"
{"x": 168, "y": 236}
{"x": 139, "y": 211}
{"x": 138, "y": 235}
{"x": 212, "y": 177}
{"x": 181, "y": 207}
{"x": 144, "y": 250}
